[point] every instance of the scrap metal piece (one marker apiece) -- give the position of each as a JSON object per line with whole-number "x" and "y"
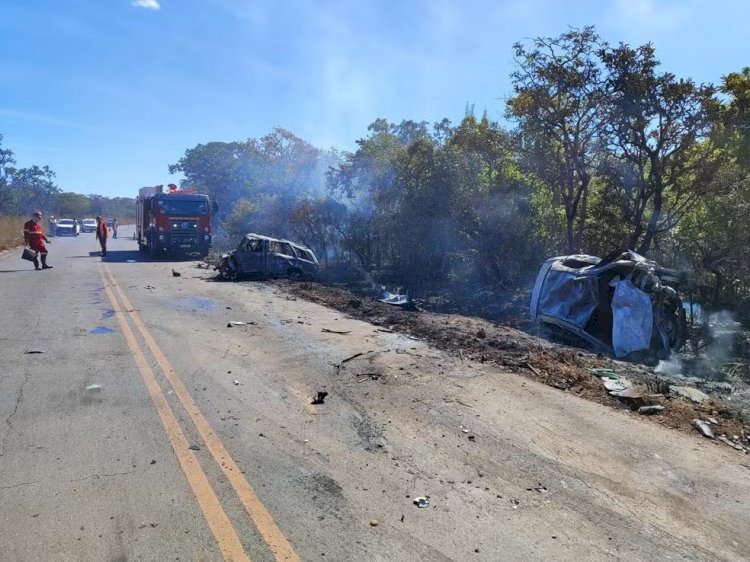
{"x": 704, "y": 428}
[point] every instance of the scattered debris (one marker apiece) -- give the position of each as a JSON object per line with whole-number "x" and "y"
{"x": 238, "y": 323}
{"x": 176, "y": 273}
{"x": 396, "y": 299}
{"x": 693, "y": 394}
{"x": 152, "y": 461}
{"x": 93, "y": 387}
{"x": 704, "y": 428}
{"x": 327, "y": 331}
{"x": 733, "y": 444}
{"x": 422, "y": 502}
{"x": 319, "y": 398}
{"x": 33, "y": 352}
{"x": 472, "y": 438}
{"x": 533, "y": 369}
{"x": 236, "y": 382}
{"x": 651, "y": 410}
{"x": 194, "y": 448}
{"x": 602, "y": 372}
{"x": 374, "y": 522}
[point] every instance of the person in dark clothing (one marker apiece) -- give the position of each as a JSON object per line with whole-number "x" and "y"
{"x": 102, "y": 234}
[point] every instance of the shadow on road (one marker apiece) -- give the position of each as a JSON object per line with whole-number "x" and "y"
{"x": 116, "y": 256}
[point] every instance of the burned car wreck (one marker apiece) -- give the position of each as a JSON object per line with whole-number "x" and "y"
{"x": 623, "y": 305}
{"x": 257, "y": 255}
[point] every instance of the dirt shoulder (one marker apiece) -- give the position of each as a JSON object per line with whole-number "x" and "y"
{"x": 473, "y": 339}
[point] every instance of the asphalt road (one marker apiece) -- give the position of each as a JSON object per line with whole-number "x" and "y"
{"x": 147, "y": 429}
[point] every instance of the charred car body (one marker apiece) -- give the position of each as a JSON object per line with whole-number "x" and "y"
{"x": 623, "y": 305}
{"x": 263, "y": 256}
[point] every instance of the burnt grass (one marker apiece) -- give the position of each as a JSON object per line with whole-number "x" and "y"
{"x": 509, "y": 344}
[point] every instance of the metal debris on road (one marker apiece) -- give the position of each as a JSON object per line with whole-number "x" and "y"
{"x": 194, "y": 448}
{"x": 733, "y": 444}
{"x": 236, "y": 382}
{"x": 236, "y": 323}
{"x": 704, "y": 428}
{"x": 319, "y": 398}
{"x": 327, "y": 331}
{"x": 33, "y": 352}
{"x": 93, "y": 387}
{"x": 421, "y": 502}
{"x": 650, "y": 410}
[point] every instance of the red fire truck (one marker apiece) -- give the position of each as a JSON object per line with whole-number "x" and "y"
{"x": 173, "y": 222}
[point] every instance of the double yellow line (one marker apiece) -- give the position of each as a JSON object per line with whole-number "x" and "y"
{"x": 226, "y": 536}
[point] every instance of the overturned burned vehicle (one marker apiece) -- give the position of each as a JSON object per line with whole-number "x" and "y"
{"x": 623, "y": 305}
{"x": 258, "y": 255}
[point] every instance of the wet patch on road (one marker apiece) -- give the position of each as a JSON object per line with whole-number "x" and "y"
{"x": 101, "y": 330}
{"x": 196, "y": 304}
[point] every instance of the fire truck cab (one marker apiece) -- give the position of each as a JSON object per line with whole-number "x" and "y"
{"x": 173, "y": 222}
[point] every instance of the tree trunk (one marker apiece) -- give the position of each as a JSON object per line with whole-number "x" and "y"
{"x": 653, "y": 223}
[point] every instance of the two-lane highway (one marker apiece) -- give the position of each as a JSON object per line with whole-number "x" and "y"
{"x": 138, "y": 423}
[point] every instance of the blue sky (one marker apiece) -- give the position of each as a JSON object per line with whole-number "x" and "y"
{"x": 109, "y": 92}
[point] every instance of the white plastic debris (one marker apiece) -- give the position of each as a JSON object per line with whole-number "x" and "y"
{"x": 421, "y": 502}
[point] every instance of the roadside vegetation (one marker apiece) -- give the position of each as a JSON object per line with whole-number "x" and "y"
{"x": 602, "y": 149}
{"x": 23, "y": 190}
{"x": 11, "y": 232}
{"x": 607, "y": 150}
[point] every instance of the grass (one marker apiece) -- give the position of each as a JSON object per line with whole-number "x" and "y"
{"x": 11, "y": 232}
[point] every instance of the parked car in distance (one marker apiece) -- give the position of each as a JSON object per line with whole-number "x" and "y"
{"x": 88, "y": 225}
{"x": 264, "y": 256}
{"x": 66, "y": 227}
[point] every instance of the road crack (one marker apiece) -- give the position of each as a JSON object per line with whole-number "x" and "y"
{"x": 8, "y": 421}
{"x": 72, "y": 480}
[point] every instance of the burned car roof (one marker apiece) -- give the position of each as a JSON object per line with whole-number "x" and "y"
{"x": 622, "y": 305}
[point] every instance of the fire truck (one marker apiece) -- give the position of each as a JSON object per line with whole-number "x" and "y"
{"x": 173, "y": 222}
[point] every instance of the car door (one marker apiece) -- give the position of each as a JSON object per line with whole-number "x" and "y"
{"x": 251, "y": 255}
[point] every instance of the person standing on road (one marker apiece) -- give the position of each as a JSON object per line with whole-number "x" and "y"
{"x": 34, "y": 238}
{"x": 102, "y": 234}
{"x": 114, "y": 229}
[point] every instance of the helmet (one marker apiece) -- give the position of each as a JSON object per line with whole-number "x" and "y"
{"x": 37, "y": 214}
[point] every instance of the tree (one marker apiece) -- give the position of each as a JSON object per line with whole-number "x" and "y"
{"x": 72, "y": 205}
{"x": 558, "y": 104}
{"x": 737, "y": 113}
{"x": 24, "y": 189}
{"x": 659, "y": 130}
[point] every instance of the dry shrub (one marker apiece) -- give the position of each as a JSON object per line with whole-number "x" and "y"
{"x": 11, "y": 232}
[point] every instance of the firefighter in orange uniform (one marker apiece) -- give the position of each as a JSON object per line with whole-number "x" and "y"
{"x": 102, "y": 233}
{"x": 35, "y": 239}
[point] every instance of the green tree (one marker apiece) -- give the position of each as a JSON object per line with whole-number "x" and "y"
{"x": 558, "y": 104}
{"x": 659, "y": 131}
